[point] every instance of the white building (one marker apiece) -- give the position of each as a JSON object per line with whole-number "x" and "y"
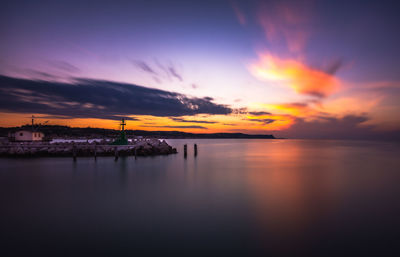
{"x": 26, "y": 135}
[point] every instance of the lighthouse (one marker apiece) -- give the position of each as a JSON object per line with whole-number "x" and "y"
{"x": 121, "y": 140}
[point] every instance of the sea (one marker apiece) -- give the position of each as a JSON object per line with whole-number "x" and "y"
{"x": 236, "y": 197}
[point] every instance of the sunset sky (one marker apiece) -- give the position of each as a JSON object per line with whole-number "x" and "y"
{"x": 298, "y": 69}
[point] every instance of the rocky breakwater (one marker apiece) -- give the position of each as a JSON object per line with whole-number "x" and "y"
{"x": 144, "y": 147}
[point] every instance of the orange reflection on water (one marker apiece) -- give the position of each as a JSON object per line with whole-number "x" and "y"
{"x": 291, "y": 190}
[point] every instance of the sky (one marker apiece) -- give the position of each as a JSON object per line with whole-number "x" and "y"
{"x": 296, "y": 69}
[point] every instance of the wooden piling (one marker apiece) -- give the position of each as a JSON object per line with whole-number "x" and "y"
{"x": 135, "y": 153}
{"x": 95, "y": 152}
{"x": 116, "y": 154}
{"x": 185, "y": 150}
{"x": 195, "y": 150}
{"x": 74, "y": 152}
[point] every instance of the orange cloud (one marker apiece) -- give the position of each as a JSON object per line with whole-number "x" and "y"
{"x": 294, "y": 109}
{"x": 301, "y": 78}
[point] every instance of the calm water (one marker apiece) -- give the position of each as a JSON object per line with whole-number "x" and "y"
{"x": 237, "y": 197}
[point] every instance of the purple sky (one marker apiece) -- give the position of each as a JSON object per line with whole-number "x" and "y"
{"x": 313, "y": 68}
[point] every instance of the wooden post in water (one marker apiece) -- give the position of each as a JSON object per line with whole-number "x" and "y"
{"x": 74, "y": 151}
{"x": 135, "y": 152}
{"x": 195, "y": 150}
{"x": 185, "y": 150}
{"x": 116, "y": 154}
{"x": 95, "y": 151}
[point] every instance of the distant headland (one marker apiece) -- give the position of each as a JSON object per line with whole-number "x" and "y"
{"x": 57, "y": 131}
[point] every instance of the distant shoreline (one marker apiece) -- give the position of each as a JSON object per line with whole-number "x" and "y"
{"x": 65, "y": 132}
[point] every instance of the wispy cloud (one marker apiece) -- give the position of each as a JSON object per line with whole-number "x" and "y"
{"x": 192, "y": 121}
{"x": 239, "y": 13}
{"x": 64, "y": 66}
{"x": 263, "y": 121}
{"x": 160, "y": 71}
{"x": 174, "y": 73}
{"x": 286, "y": 22}
{"x": 239, "y": 111}
{"x": 260, "y": 113}
{"x": 110, "y": 117}
{"x": 333, "y": 66}
{"x": 245, "y": 110}
{"x": 39, "y": 74}
{"x": 181, "y": 127}
{"x": 144, "y": 67}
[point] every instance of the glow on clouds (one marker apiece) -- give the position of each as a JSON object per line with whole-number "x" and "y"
{"x": 294, "y": 74}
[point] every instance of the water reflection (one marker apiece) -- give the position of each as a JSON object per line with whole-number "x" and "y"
{"x": 243, "y": 197}
{"x": 292, "y": 190}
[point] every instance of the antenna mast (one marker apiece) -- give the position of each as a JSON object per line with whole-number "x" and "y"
{"x": 123, "y": 124}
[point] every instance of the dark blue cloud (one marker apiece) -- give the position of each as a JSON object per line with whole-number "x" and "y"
{"x": 259, "y": 113}
{"x": 87, "y": 98}
{"x": 264, "y": 121}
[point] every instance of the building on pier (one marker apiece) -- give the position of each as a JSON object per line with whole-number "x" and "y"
{"x": 26, "y": 133}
